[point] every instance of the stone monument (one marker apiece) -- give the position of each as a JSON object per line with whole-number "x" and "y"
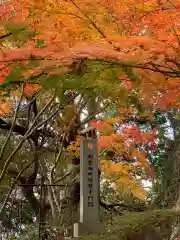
{"x": 89, "y": 190}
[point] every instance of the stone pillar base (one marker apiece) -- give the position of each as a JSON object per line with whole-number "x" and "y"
{"x": 81, "y": 229}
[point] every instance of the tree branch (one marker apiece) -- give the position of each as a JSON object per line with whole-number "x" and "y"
{"x": 12, "y": 125}
{"x": 113, "y": 206}
{"x": 5, "y": 35}
{"x": 13, "y": 185}
{"x": 27, "y": 134}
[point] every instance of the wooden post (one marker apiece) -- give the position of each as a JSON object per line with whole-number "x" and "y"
{"x": 89, "y": 190}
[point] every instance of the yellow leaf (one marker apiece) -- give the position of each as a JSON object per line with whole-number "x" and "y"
{"x": 110, "y": 120}
{"x": 130, "y": 186}
{"x": 139, "y": 192}
{"x": 5, "y": 108}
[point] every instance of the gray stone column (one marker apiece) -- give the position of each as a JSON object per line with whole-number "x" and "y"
{"x": 89, "y": 190}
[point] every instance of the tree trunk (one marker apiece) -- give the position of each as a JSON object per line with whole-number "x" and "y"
{"x": 173, "y": 191}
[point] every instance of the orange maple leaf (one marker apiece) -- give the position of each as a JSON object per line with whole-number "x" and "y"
{"x": 31, "y": 89}
{"x": 5, "y": 109}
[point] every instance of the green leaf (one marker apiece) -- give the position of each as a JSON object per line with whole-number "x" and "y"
{"x": 132, "y": 74}
{"x": 19, "y": 32}
{"x": 14, "y": 28}
{"x": 16, "y": 73}
{"x": 39, "y": 43}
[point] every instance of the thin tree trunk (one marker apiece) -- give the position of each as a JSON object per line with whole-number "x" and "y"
{"x": 173, "y": 192}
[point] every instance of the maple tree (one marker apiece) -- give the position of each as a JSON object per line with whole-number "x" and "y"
{"x": 124, "y": 149}
{"x": 127, "y": 35}
{"x": 124, "y": 40}
{"x": 72, "y": 21}
{"x": 125, "y": 32}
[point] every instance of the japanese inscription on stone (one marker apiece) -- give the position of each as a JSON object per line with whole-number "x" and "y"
{"x": 89, "y": 190}
{"x": 89, "y": 181}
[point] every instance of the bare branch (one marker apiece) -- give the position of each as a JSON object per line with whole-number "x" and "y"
{"x": 63, "y": 177}
{"x": 13, "y": 124}
{"x": 13, "y": 185}
{"x": 27, "y": 134}
{"x": 5, "y": 35}
{"x": 56, "y": 160}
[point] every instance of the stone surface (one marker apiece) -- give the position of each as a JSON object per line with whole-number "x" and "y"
{"x": 89, "y": 190}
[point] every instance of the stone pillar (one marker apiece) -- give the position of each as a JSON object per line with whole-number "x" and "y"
{"x": 89, "y": 190}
